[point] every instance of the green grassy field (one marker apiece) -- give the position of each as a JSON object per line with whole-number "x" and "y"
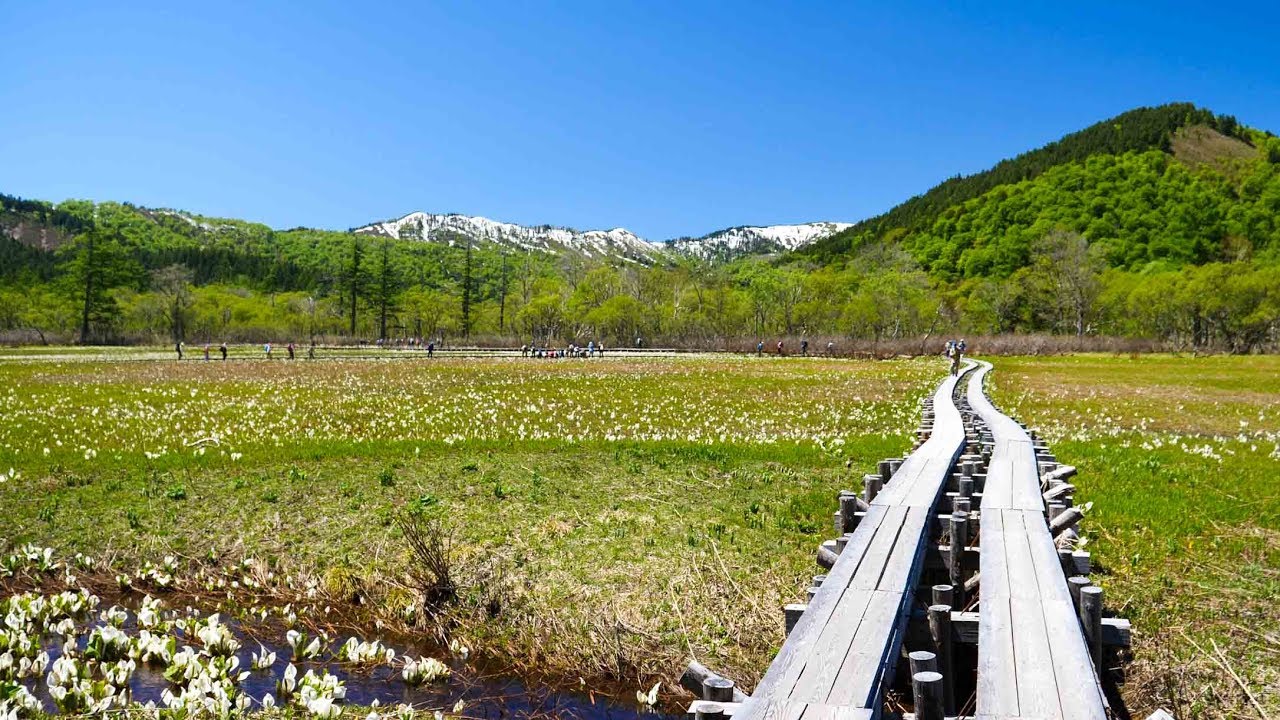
{"x": 613, "y": 518}
{"x": 1181, "y": 457}
{"x": 621, "y": 513}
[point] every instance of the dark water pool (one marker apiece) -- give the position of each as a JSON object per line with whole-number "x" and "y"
{"x": 485, "y": 695}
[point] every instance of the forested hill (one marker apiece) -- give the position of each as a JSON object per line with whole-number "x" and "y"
{"x": 1197, "y": 194}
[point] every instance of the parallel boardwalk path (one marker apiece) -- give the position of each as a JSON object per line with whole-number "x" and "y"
{"x": 976, "y": 485}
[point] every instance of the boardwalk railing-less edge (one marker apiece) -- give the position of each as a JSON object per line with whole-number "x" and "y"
{"x": 955, "y": 589}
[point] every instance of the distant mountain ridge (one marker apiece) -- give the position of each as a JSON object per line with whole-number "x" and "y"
{"x": 722, "y": 245}
{"x": 448, "y": 228}
{"x": 734, "y": 242}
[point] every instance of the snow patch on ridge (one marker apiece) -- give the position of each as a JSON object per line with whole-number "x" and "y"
{"x": 618, "y": 242}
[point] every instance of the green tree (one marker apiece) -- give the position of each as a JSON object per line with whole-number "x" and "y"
{"x": 173, "y": 284}
{"x": 94, "y": 263}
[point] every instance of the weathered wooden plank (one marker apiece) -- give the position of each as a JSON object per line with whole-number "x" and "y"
{"x": 907, "y": 559}
{"x": 879, "y": 550}
{"x": 1037, "y": 683}
{"x": 997, "y": 677}
{"x": 814, "y": 682}
{"x": 790, "y": 661}
{"x": 858, "y": 680}
{"x": 1078, "y": 687}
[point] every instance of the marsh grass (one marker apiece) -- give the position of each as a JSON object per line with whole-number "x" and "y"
{"x": 610, "y": 519}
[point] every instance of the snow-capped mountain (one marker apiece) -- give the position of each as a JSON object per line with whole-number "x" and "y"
{"x": 738, "y": 241}
{"x": 617, "y": 242}
{"x": 721, "y": 246}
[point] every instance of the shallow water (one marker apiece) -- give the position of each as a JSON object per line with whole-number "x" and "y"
{"x": 485, "y": 696}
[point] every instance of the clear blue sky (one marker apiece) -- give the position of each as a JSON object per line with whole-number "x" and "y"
{"x": 668, "y": 118}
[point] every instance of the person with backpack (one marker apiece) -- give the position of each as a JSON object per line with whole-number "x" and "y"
{"x": 223, "y": 349}
{"x": 178, "y": 349}
{"x": 804, "y": 348}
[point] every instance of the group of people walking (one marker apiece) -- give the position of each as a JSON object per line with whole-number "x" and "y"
{"x": 573, "y": 350}
{"x": 267, "y": 350}
{"x": 781, "y": 348}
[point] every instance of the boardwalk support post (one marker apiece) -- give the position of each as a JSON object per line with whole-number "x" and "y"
{"x": 923, "y": 661}
{"x": 1091, "y": 618}
{"x": 696, "y": 674}
{"x": 940, "y": 629}
{"x": 792, "y": 614}
{"x": 717, "y": 689}
{"x": 959, "y": 539}
{"x": 927, "y": 689}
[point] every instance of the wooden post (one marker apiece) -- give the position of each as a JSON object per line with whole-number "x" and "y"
{"x": 848, "y": 513}
{"x": 942, "y": 595}
{"x": 791, "y": 613}
{"x": 966, "y": 487}
{"x": 886, "y": 472}
{"x": 873, "y": 485}
{"x": 940, "y": 630}
{"x": 1091, "y": 618}
{"x": 810, "y": 593}
{"x": 926, "y": 687}
{"x": 960, "y": 505}
{"x": 959, "y": 539}
{"x": 709, "y": 711}
{"x": 827, "y": 556}
{"x": 923, "y": 661}
{"x": 1056, "y": 508}
{"x": 1065, "y": 560}
{"x": 818, "y": 580}
{"x": 1065, "y": 520}
{"x": 1074, "y": 583}
{"x": 717, "y": 689}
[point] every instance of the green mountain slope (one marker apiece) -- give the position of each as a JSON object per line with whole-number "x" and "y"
{"x": 1174, "y": 184}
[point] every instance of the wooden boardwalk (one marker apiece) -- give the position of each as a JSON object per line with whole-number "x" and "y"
{"x": 1033, "y": 661}
{"x": 1039, "y": 636}
{"x": 839, "y": 657}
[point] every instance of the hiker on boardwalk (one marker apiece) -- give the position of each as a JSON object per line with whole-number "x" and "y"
{"x": 290, "y": 349}
{"x": 311, "y": 350}
{"x": 206, "y": 352}
{"x": 760, "y": 349}
{"x": 266, "y": 347}
{"x": 780, "y": 353}
{"x": 223, "y": 349}
{"x": 953, "y": 352}
{"x": 431, "y": 349}
{"x": 831, "y": 348}
{"x": 178, "y": 349}
{"x": 804, "y": 348}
